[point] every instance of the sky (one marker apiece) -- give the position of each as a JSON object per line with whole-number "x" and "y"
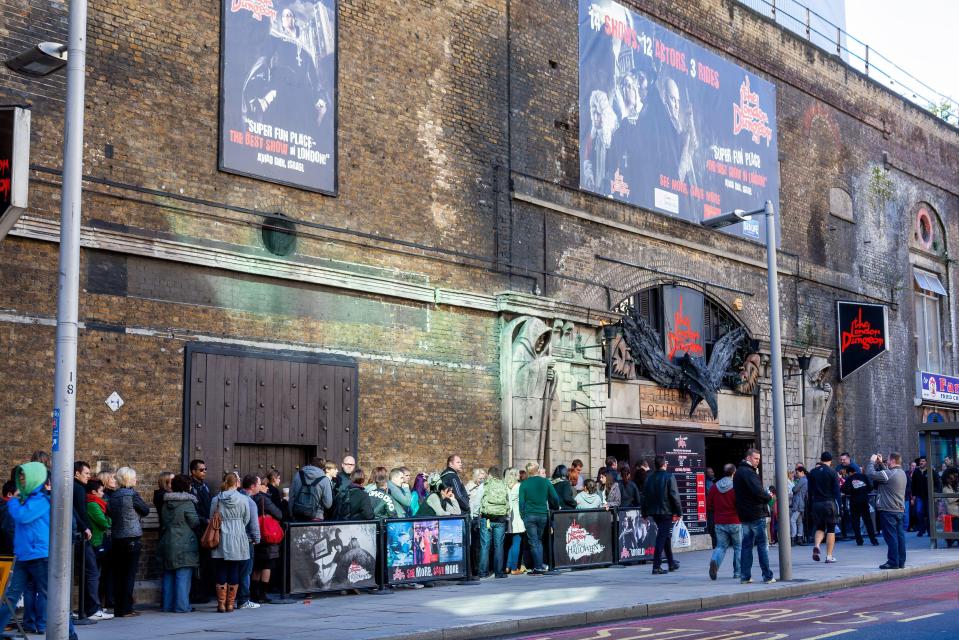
{"x": 918, "y": 35}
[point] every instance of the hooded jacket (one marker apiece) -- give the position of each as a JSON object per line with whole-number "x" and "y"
{"x": 360, "y": 506}
{"x": 402, "y": 499}
{"x": 800, "y": 495}
{"x": 322, "y": 492}
{"x": 752, "y": 499}
{"x": 30, "y": 512}
{"x": 239, "y": 525}
{"x": 857, "y": 487}
{"x": 721, "y": 500}
{"x": 178, "y": 541}
{"x": 383, "y": 505}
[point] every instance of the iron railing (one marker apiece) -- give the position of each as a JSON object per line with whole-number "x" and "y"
{"x": 820, "y": 31}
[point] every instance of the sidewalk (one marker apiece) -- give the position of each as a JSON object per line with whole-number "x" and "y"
{"x": 522, "y": 604}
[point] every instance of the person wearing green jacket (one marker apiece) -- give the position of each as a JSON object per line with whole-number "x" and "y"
{"x": 179, "y": 547}
{"x": 97, "y": 514}
{"x": 536, "y": 497}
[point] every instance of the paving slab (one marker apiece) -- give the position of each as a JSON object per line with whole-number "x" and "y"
{"x": 524, "y": 604}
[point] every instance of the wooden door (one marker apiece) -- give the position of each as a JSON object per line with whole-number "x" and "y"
{"x": 251, "y": 412}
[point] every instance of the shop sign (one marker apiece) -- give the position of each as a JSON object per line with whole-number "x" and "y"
{"x": 862, "y": 333}
{"x": 660, "y": 405}
{"x": 939, "y": 388}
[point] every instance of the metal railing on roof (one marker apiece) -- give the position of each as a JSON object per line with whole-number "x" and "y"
{"x": 818, "y": 30}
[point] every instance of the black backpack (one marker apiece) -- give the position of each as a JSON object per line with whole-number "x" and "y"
{"x": 306, "y": 502}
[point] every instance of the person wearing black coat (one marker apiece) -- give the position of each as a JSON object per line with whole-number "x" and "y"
{"x": 360, "y": 507}
{"x": 752, "y": 507}
{"x": 451, "y": 477}
{"x": 85, "y": 554}
{"x": 857, "y": 487}
{"x": 661, "y": 501}
{"x": 265, "y": 554}
{"x": 563, "y": 487}
{"x": 632, "y": 496}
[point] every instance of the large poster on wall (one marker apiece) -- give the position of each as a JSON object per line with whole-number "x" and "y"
{"x": 582, "y": 538}
{"x": 278, "y": 91}
{"x": 333, "y": 556}
{"x": 670, "y": 126}
{"x": 425, "y": 549}
{"x": 686, "y": 454}
{"x": 683, "y": 315}
{"x": 637, "y": 537}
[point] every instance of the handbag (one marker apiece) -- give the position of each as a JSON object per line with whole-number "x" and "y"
{"x": 271, "y": 532}
{"x": 211, "y": 536}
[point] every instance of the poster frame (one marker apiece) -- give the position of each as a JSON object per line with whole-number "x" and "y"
{"x": 619, "y": 549}
{"x": 612, "y": 543}
{"x": 467, "y": 556}
{"x": 336, "y": 111}
{"x": 288, "y": 560}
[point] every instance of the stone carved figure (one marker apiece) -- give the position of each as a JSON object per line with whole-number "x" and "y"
{"x": 749, "y": 374}
{"x": 816, "y": 397}
{"x": 621, "y": 360}
{"x": 528, "y": 382}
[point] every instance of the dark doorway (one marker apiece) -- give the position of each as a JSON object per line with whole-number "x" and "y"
{"x": 629, "y": 445}
{"x": 719, "y": 451}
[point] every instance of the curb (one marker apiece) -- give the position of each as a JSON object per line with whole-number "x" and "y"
{"x": 503, "y": 628}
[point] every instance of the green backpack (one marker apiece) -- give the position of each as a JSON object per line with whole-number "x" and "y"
{"x": 495, "y": 498}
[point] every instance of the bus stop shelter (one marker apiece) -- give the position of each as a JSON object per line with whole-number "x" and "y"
{"x": 940, "y": 442}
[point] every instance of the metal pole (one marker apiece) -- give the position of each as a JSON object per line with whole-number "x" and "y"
{"x": 65, "y": 384}
{"x": 779, "y": 418}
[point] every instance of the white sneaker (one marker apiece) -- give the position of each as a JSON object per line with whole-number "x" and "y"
{"x": 249, "y": 605}
{"x": 830, "y": 560}
{"x": 101, "y": 615}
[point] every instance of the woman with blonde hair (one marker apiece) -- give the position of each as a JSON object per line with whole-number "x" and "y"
{"x": 163, "y": 488}
{"x": 515, "y": 527}
{"x": 126, "y": 510}
{"x": 237, "y": 529}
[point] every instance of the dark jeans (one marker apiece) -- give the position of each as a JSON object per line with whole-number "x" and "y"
{"x": 860, "y": 512}
{"x": 228, "y": 571}
{"x": 24, "y": 571}
{"x": 126, "y": 559}
{"x": 246, "y": 571}
{"x": 895, "y": 536}
{"x": 664, "y": 539}
{"x": 754, "y": 534}
{"x": 922, "y": 518}
{"x": 535, "y": 527}
{"x": 105, "y": 565}
{"x": 202, "y": 585}
{"x": 86, "y": 558}
{"x": 491, "y": 531}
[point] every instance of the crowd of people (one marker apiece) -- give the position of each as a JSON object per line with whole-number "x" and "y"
{"x": 226, "y": 546}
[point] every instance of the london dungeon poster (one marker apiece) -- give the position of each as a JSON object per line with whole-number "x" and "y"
{"x": 278, "y": 91}
{"x": 582, "y": 538}
{"x": 334, "y": 556}
{"x": 670, "y": 126}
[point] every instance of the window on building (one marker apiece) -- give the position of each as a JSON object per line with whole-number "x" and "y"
{"x": 928, "y": 298}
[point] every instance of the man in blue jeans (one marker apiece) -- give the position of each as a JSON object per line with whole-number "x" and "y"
{"x": 494, "y": 512}
{"x": 250, "y": 487}
{"x": 890, "y": 505}
{"x": 30, "y": 512}
{"x": 752, "y": 506}
{"x": 536, "y": 497}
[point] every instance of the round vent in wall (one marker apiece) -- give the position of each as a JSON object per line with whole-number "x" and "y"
{"x": 279, "y": 234}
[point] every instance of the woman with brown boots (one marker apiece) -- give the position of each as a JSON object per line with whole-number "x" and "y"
{"x": 234, "y": 548}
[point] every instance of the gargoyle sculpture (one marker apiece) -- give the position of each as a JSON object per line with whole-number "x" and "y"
{"x": 691, "y": 373}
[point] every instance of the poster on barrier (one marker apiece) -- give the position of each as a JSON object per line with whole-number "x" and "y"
{"x": 332, "y": 556}
{"x": 637, "y": 537}
{"x": 425, "y": 549}
{"x": 582, "y": 538}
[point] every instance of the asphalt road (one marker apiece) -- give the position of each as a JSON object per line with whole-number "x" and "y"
{"x": 924, "y": 607}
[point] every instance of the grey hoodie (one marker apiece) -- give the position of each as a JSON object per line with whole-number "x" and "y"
{"x": 402, "y": 498}
{"x": 892, "y": 487}
{"x": 724, "y": 484}
{"x": 322, "y": 492}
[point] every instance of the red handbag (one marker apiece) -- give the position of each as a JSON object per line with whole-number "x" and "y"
{"x": 271, "y": 532}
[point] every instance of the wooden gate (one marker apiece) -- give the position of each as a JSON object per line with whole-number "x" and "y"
{"x": 253, "y": 411}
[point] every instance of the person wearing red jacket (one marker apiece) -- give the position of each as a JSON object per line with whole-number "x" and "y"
{"x": 721, "y": 501}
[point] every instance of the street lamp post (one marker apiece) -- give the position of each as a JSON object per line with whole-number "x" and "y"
{"x": 775, "y": 347}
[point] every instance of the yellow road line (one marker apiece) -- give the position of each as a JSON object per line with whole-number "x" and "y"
{"x": 928, "y": 615}
{"x": 830, "y": 634}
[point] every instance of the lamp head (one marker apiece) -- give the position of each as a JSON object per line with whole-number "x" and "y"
{"x": 39, "y": 61}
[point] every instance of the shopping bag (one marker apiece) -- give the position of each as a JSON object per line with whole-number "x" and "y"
{"x": 681, "y": 537}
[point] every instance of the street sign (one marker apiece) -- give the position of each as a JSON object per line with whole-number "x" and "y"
{"x": 862, "y": 331}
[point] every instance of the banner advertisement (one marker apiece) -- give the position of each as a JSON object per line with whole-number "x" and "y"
{"x": 582, "y": 538}
{"x": 685, "y": 454}
{"x": 683, "y": 314}
{"x": 863, "y": 334}
{"x": 670, "y": 126}
{"x": 637, "y": 537}
{"x": 936, "y": 387}
{"x": 278, "y": 91}
{"x": 332, "y": 556}
{"x": 425, "y": 549}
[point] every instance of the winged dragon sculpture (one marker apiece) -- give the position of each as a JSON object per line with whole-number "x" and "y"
{"x": 691, "y": 374}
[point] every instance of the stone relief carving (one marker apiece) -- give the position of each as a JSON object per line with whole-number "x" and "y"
{"x": 749, "y": 374}
{"x": 528, "y": 386}
{"x": 817, "y": 395}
